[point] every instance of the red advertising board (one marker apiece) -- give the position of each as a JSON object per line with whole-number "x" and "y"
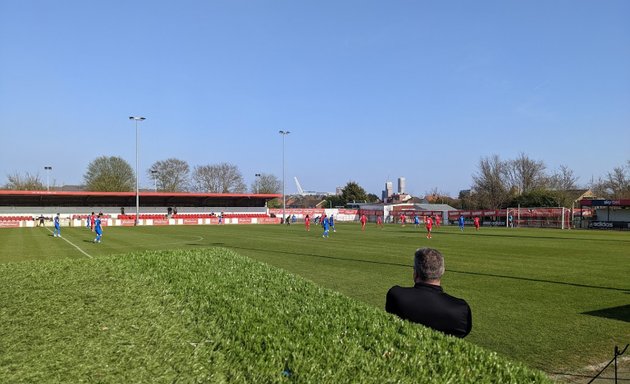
{"x": 160, "y": 221}
{"x": 9, "y": 224}
{"x": 191, "y": 221}
{"x": 268, "y": 220}
{"x": 126, "y": 222}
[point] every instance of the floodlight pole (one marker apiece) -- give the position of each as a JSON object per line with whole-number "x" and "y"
{"x": 154, "y": 173}
{"x": 284, "y": 202}
{"x": 136, "y": 119}
{"x": 257, "y": 181}
{"x": 48, "y": 169}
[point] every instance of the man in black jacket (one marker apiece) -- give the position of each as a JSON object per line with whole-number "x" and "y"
{"x": 426, "y": 303}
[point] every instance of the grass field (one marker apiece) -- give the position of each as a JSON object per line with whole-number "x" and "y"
{"x": 555, "y": 300}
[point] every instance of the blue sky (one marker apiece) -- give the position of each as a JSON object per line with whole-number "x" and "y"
{"x": 370, "y": 90}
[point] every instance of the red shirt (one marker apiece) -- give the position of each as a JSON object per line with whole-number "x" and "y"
{"x": 429, "y": 223}
{"x": 363, "y": 219}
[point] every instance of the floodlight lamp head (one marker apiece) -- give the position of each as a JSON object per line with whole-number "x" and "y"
{"x": 137, "y": 118}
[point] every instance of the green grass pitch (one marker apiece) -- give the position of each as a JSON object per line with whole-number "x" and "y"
{"x": 555, "y": 300}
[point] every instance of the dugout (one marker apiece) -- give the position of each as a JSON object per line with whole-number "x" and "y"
{"x": 605, "y": 214}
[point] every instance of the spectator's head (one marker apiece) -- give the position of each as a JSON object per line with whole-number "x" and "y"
{"x": 428, "y": 266}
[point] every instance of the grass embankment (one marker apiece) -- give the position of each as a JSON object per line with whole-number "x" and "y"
{"x": 213, "y": 316}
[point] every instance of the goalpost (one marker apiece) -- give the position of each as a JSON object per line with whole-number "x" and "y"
{"x": 539, "y": 217}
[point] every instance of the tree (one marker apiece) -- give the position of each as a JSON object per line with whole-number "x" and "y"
{"x": 616, "y": 185}
{"x": 266, "y": 183}
{"x": 28, "y": 182}
{"x": 372, "y": 198}
{"x": 109, "y": 174}
{"x": 353, "y": 192}
{"x": 465, "y": 200}
{"x": 334, "y": 201}
{"x": 171, "y": 175}
{"x": 218, "y": 178}
{"x": 537, "y": 198}
{"x": 563, "y": 179}
{"x": 434, "y": 196}
{"x": 490, "y": 184}
{"x": 525, "y": 174}
{"x": 562, "y": 182}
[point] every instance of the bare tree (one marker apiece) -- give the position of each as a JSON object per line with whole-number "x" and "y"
{"x": 218, "y": 178}
{"x": 266, "y": 183}
{"x": 28, "y": 182}
{"x": 171, "y": 175}
{"x": 435, "y": 196}
{"x": 490, "y": 184}
{"x": 562, "y": 182}
{"x": 525, "y": 174}
{"x": 563, "y": 179}
{"x": 616, "y": 185}
{"x": 109, "y": 174}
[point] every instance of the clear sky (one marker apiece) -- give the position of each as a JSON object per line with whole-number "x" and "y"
{"x": 370, "y": 90}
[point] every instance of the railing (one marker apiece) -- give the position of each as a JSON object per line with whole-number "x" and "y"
{"x": 614, "y": 359}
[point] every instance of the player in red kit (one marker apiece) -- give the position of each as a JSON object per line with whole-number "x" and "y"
{"x": 476, "y": 222}
{"x": 379, "y": 222}
{"x": 429, "y": 224}
{"x": 363, "y": 222}
{"x": 437, "y": 221}
{"x": 307, "y": 222}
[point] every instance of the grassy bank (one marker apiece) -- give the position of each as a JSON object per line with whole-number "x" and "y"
{"x": 213, "y": 316}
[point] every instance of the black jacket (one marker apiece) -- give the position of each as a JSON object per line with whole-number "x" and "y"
{"x": 429, "y": 305}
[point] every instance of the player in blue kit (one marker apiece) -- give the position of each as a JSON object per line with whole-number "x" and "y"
{"x": 98, "y": 229}
{"x": 461, "y": 222}
{"x": 331, "y": 222}
{"x": 326, "y": 225}
{"x": 57, "y": 231}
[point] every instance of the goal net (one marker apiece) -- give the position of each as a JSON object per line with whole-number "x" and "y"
{"x": 539, "y": 217}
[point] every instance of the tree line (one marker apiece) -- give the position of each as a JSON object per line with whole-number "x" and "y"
{"x": 526, "y": 182}
{"x": 114, "y": 174}
{"x": 497, "y": 183}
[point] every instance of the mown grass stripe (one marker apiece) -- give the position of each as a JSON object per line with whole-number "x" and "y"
{"x": 71, "y": 243}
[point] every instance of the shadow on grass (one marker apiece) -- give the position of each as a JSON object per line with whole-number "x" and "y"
{"x": 503, "y": 235}
{"x": 625, "y": 290}
{"x": 616, "y": 313}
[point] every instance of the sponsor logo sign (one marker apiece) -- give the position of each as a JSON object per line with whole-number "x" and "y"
{"x": 601, "y": 224}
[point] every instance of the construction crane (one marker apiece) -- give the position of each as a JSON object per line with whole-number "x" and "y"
{"x": 302, "y": 192}
{"x": 299, "y": 187}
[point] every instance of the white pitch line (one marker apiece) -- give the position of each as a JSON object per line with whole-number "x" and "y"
{"x": 69, "y": 242}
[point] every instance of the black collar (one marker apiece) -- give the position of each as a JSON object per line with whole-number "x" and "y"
{"x": 430, "y": 286}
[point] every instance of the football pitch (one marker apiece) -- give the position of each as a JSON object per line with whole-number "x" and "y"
{"x": 555, "y": 300}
